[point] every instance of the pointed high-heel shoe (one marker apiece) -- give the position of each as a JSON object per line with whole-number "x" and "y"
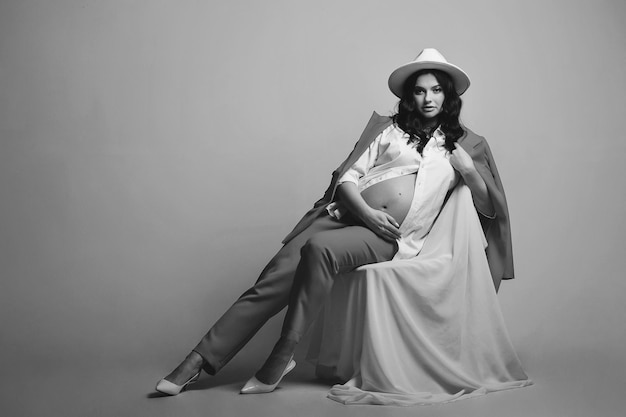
{"x": 166, "y": 387}
{"x": 254, "y": 386}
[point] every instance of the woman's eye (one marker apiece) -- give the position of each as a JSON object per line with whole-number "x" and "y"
{"x": 437, "y": 90}
{"x": 416, "y": 92}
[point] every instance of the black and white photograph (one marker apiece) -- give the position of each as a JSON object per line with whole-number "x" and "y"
{"x": 298, "y": 208}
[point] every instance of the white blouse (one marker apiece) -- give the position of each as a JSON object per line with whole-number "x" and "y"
{"x": 390, "y": 156}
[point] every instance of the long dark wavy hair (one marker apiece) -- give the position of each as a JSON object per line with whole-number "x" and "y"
{"x": 409, "y": 119}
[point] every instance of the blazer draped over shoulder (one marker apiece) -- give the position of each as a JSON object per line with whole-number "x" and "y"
{"x": 497, "y": 230}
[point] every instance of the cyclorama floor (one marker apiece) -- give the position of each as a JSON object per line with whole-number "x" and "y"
{"x": 574, "y": 383}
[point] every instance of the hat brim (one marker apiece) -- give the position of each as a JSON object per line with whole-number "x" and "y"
{"x": 399, "y": 76}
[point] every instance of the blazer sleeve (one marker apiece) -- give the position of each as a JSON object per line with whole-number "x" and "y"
{"x": 498, "y": 229}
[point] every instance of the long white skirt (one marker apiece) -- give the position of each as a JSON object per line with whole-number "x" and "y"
{"x": 420, "y": 331}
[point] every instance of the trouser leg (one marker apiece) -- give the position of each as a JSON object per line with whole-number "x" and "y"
{"x": 323, "y": 256}
{"x": 268, "y": 296}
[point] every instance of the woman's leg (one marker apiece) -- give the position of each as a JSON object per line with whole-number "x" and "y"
{"x": 323, "y": 256}
{"x": 268, "y": 296}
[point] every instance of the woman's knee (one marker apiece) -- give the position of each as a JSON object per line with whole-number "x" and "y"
{"x": 316, "y": 246}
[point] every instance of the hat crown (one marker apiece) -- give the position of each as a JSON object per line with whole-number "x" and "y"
{"x": 430, "y": 55}
{"x": 428, "y": 59}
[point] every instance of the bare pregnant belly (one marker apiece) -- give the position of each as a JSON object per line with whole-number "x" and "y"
{"x": 393, "y": 196}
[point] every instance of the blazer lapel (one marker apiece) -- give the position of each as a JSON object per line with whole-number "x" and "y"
{"x": 468, "y": 141}
{"x": 376, "y": 124}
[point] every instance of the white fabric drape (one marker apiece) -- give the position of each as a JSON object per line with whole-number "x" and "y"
{"x": 419, "y": 331}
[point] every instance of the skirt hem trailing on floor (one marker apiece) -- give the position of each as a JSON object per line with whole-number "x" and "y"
{"x": 421, "y": 331}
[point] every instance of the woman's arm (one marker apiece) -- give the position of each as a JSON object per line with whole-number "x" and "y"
{"x": 462, "y": 162}
{"x": 381, "y": 223}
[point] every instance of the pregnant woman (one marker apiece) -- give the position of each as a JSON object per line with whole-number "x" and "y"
{"x": 380, "y": 206}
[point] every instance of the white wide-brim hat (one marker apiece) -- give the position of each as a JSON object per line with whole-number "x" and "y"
{"x": 429, "y": 58}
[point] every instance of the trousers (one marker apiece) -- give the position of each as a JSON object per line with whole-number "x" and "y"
{"x": 299, "y": 276}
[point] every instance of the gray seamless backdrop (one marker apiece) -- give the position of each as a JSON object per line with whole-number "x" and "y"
{"x": 153, "y": 154}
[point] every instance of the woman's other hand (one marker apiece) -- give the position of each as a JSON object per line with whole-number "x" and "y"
{"x": 382, "y": 223}
{"x": 461, "y": 161}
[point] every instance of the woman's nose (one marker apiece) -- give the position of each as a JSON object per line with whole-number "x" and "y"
{"x": 427, "y": 97}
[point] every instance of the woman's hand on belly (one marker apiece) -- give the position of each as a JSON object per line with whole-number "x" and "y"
{"x": 378, "y": 221}
{"x": 392, "y": 196}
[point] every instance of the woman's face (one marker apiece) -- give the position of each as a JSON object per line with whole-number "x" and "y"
{"x": 429, "y": 96}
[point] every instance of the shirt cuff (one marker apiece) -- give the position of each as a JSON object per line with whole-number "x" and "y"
{"x": 336, "y": 210}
